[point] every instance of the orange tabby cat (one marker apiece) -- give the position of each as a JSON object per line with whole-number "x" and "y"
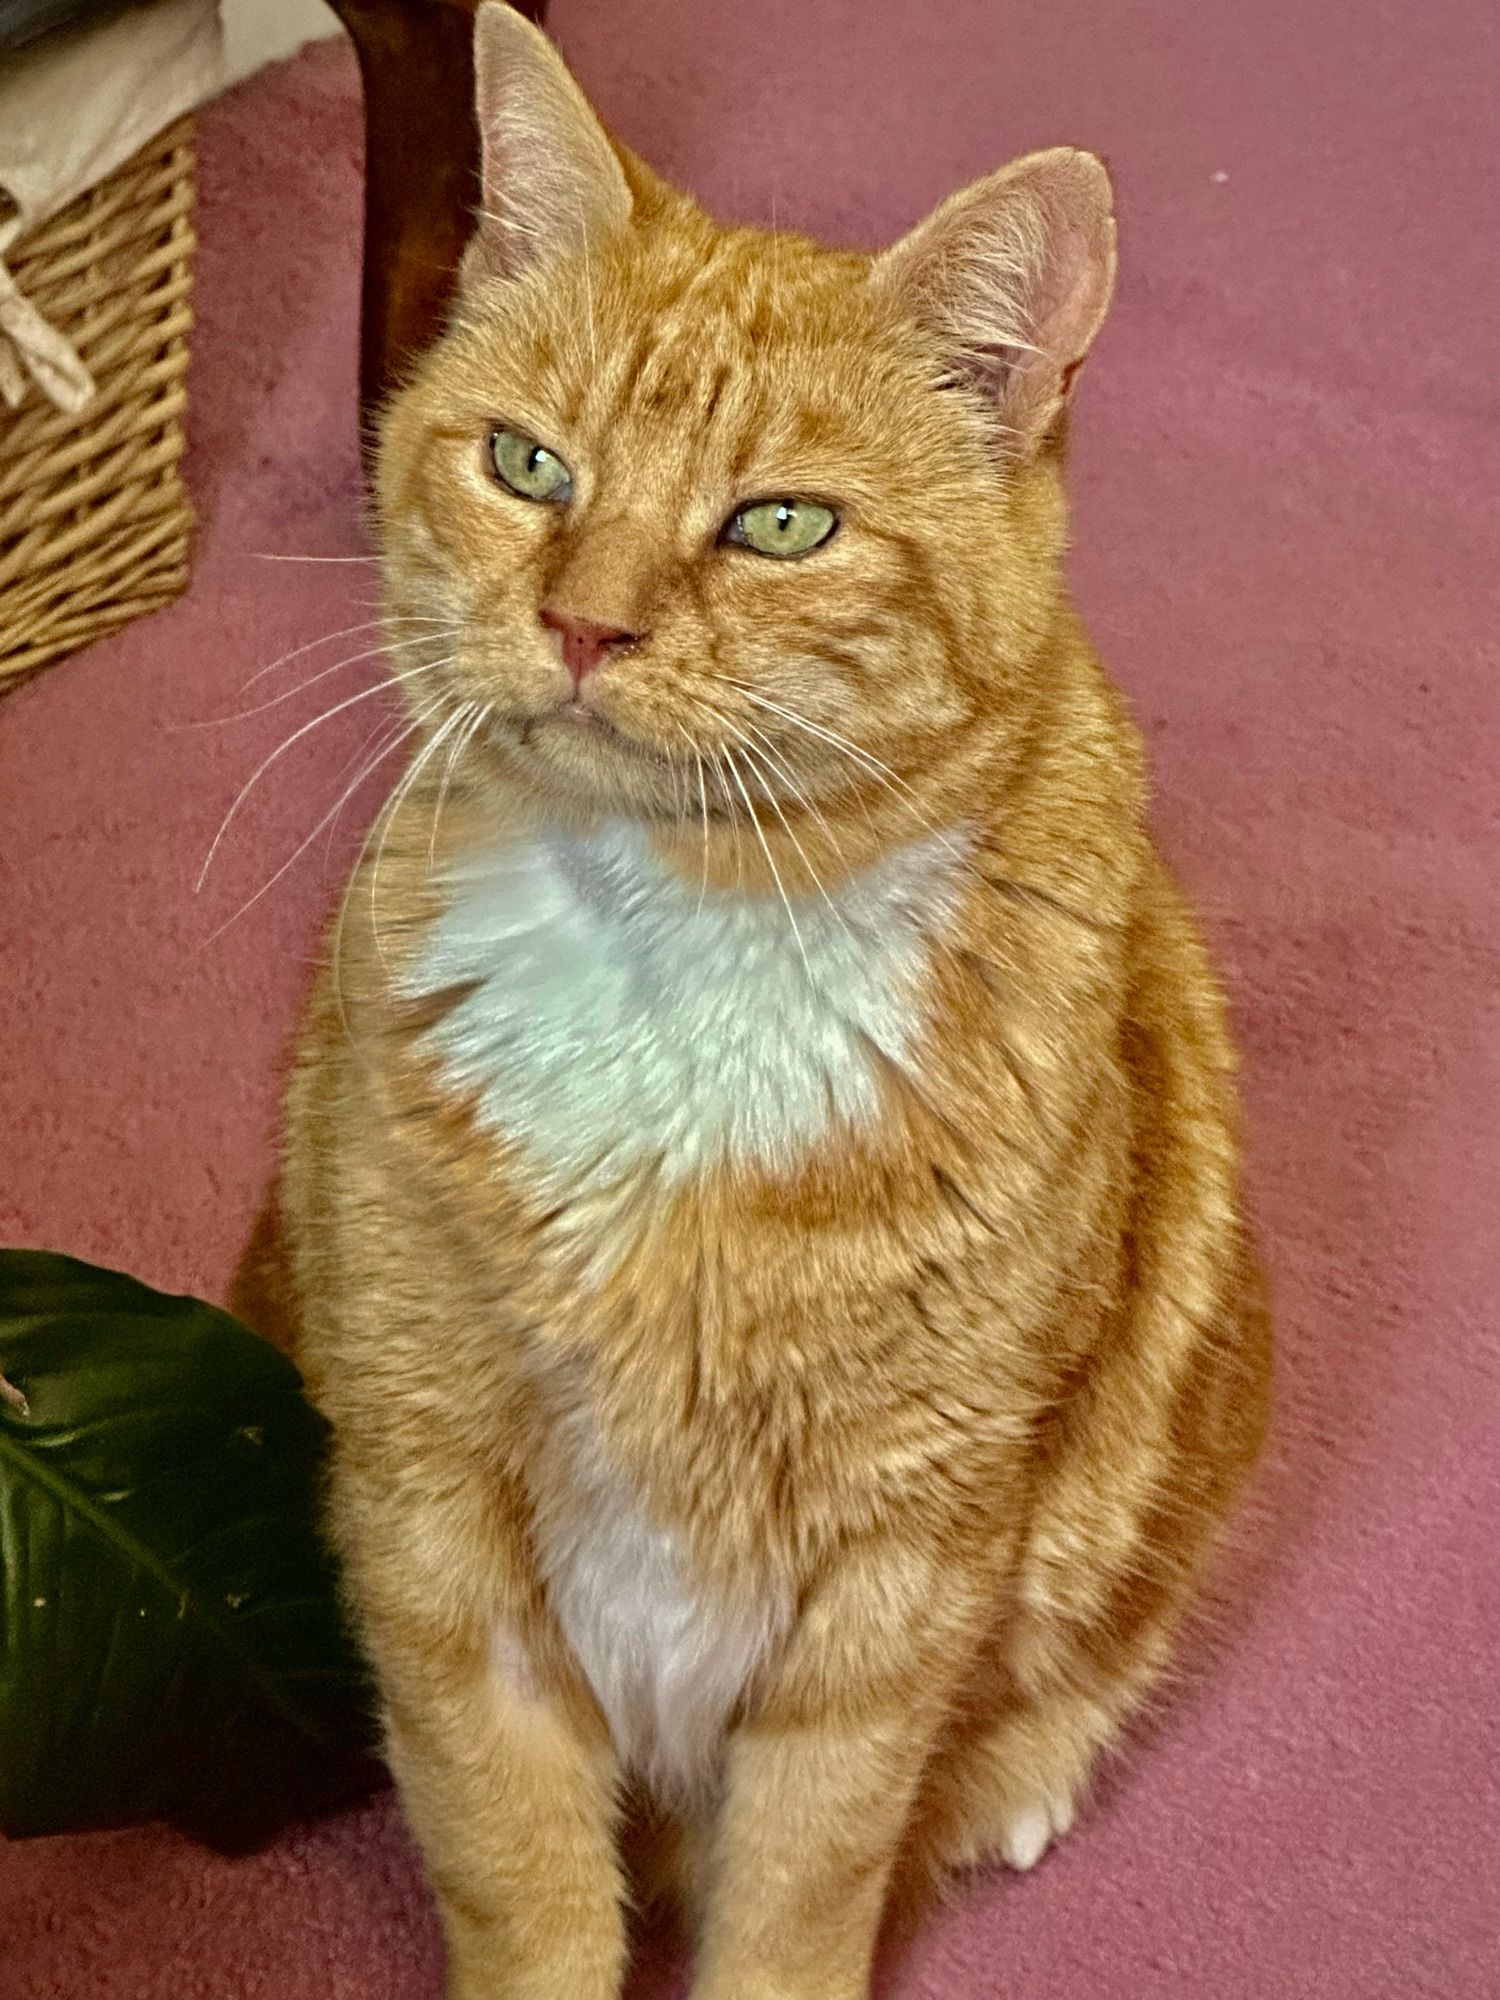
{"x": 762, "y": 1172}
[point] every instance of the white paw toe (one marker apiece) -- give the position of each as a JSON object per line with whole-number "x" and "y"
{"x": 1032, "y": 1830}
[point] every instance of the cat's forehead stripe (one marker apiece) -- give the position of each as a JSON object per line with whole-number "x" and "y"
{"x": 699, "y": 340}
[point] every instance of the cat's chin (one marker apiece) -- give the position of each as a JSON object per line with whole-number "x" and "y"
{"x": 580, "y": 760}
{"x": 574, "y": 722}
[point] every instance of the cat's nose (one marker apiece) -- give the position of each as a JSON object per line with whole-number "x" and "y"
{"x": 585, "y": 641}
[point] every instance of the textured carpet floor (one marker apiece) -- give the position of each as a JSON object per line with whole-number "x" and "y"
{"x": 1285, "y": 482}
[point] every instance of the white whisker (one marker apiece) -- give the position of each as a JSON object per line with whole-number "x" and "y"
{"x": 779, "y": 764}
{"x": 812, "y": 872}
{"x": 765, "y": 847}
{"x": 327, "y": 820}
{"x": 327, "y": 639}
{"x": 311, "y": 646}
{"x": 402, "y": 791}
{"x": 703, "y": 808}
{"x": 261, "y": 555}
{"x": 746, "y": 733}
{"x": 387, "y": 735}
{"x": 883, "y": 773}
{"x": 380, "y": 687}
{"x": 385, "y": 648}
{"x": 697, "y": 757}
{"x": 734, "y": 819}
{"x": 475, "y": 710}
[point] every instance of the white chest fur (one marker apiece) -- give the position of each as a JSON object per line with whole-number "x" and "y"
{"x": 667, "y": 1662}
{"x": 619, "y": 1014}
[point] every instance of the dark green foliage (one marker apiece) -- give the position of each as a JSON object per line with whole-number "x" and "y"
{"x": 170, "y": 1637}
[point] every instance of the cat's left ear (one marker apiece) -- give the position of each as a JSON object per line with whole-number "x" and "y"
{"x": 552, "y": 182}
{"x": 1014, "y": 275}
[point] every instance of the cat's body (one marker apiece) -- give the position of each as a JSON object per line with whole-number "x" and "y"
{"x": 776, "y": 1277}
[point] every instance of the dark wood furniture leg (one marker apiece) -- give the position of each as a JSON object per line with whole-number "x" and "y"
{"x": 421, "y": 174}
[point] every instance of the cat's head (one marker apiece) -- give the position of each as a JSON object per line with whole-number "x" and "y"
{"x": 708, "y": 518}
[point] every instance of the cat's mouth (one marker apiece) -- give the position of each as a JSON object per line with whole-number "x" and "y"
{"x": 577, "y": 714}
{"x": 580, "y": 722}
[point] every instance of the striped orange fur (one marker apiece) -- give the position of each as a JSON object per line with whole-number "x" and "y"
{"x": 761, "y": 1187}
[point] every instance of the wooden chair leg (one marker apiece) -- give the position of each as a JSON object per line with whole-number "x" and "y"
{"x": 421, "y": 175}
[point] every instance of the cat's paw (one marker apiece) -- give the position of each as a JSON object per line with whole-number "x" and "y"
{"x": 1031, "y": 1829}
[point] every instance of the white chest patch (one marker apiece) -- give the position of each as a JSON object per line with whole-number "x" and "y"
{"x": 667, "y": 1663}
{"x": 619, "y": 1014}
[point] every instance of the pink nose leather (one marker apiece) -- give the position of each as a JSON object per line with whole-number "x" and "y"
{"x": 584, "y": 640}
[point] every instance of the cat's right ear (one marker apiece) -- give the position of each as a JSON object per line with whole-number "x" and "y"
{"x": 552, "y": 183}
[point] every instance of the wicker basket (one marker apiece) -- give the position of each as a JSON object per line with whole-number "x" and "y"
{"x": 94, "y": 521}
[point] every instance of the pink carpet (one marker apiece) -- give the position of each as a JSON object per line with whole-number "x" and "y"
{"x": 1285, "y": 492}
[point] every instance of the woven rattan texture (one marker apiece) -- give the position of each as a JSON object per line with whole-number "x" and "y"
{"x": 94, "y": 522}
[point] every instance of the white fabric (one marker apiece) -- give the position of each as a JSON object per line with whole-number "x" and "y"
{"x": 73, "y": 107}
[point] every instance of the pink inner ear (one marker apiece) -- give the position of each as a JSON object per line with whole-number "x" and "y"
{"x": 1067, "y": 296}
{"x": 1066, "y": 303}
{"x": 1016, "y": 271}
{"x": 550, "y": 178}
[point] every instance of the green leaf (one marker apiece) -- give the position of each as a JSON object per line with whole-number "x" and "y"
{"x": 171, "y": 1644}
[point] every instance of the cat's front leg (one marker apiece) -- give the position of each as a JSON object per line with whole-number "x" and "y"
{"x": 514, "y": 1814}
{"x": 821, "y": 1782}
{"x": 508, "y": 1781}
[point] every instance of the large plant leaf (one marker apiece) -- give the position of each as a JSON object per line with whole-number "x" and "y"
{"x": 170, "y": 1639}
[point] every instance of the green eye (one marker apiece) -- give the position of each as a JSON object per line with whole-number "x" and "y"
{"x": 528, "y": 468}
{"x": 782, "y": 527}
